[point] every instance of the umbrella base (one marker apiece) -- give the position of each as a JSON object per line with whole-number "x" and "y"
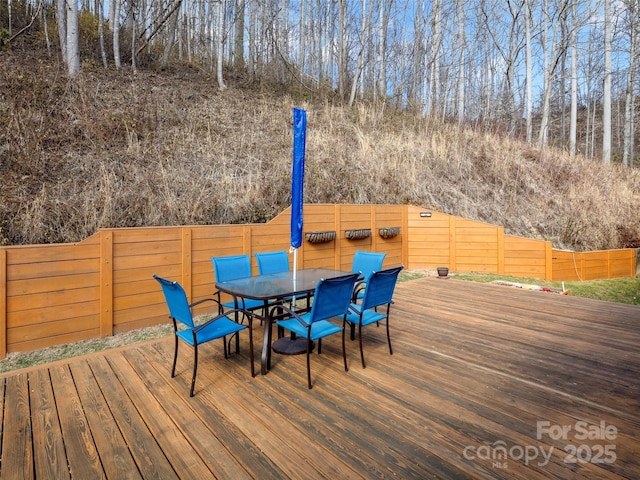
{"x": 289, "y": 346}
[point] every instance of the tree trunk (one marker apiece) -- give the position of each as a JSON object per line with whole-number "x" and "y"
{"x": 219, "y": 39}
{"x": 357, "y": 77}
{"x": 385, "y": 13}
{"x": 73, "y": 52}
{"x": 100, "y": 12}
{"x": 434, "y": 78}
{"x": 606, "y": 99}
{"x": 171, "y": 36}
{"x": 629, "y": 120}
{"x": 460, "y": 13}
{"x": 529, "y": 67}
{"x": 115, "y": 27}
{"x": 252, "y": 40}
{"x": 61, "y": 18}
{"x": 342, "y": 49}
{"x": 134, "y": 65}
{"x": 238, "y": 46}
{"x": 573, "y": 127}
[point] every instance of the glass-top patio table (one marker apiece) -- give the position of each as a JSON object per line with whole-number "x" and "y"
{"x": 272, "y": 288}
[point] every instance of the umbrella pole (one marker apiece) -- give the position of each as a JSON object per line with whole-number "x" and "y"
{"x": 295, "y": 275}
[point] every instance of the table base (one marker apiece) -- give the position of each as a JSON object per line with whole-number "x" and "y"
{"x": 287, "y": 346}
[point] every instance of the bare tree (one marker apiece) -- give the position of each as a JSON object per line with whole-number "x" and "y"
{"x": 606, "y": 98}
{"x": 73, "y": 51}
{"x": 172, "y": 28}
{"x": 529, "y": 74}
{"x": 385, "y": 14}
{"x": 632, "y": 7}
{"x": 573, "y": 126}
{"x": 366, "y": 20}
{"x": 115, "y": 28}
{"x": 461, "y": 41}
{"x": 238, "y": 47}
{"x": 434, "y": 61}
{"x": 553, "y": 49}
{"x": 61, "y": 16}
{"x": 103, "y": 52}
{"x": 219, "y": 43}
{"x": 342, "y": 48}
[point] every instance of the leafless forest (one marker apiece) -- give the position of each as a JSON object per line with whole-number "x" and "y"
{"x": 183, "y": 116}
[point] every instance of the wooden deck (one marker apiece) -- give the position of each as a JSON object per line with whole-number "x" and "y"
{"x": 475, "y": 368}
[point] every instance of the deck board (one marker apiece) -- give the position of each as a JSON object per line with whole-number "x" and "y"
{"x": 474, "y": 367}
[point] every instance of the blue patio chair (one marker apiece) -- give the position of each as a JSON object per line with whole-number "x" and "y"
{"x": 186, "y": 330}
{"x": 378, "y": 293}
{"x": 272, "y": 262}
{"x": 331, "y": 299}
{"x": 365, "y": 263}
{"x": 231, "y": 268}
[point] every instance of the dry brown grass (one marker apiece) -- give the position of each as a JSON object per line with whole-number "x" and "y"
{"x": 115, "y": 149}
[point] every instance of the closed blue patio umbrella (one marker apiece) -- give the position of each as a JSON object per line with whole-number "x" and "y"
{"x": 297, "y": 182}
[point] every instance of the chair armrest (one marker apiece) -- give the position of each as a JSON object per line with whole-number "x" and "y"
{"x": 354, "y": 309}
{"x": 208, "y": 299}
{"x": 225, "y": 314}
{"x": 359, "y": 286}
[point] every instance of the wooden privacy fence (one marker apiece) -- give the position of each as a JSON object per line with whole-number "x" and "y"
{"x": 55, "y": 294}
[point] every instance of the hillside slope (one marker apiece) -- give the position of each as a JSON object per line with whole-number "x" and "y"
{"x": 115, "y": 149}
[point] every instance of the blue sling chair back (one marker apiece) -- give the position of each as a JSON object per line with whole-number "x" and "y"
{"x": 272, "y": 262}
{"x": 233, "y": 267}
{"x": 276, "y": 262}
{"x": 187, "y": 331}
{"x": 375, "y": 305}
{"x": 365, "y": 263}
{"x": 331, "y": 300}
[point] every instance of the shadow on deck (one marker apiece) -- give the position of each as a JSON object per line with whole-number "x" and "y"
{"x": 485, "y": 382}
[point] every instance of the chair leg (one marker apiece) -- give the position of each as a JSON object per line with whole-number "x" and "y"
{"x": 253, "y": 373}
{"x": 361, "y": 349}
{"x": 175, "y": 357}
{"x": 195, "y": 369}
{"x": 389, "y": 337}
{"x": 228, "y": 350}
{"x": 309, "y": 361}
{"x": 344, "y": 351}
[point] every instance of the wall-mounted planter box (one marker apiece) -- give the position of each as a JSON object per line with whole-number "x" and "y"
{"x": 389, "y": 232}
{"x": 320, "y": 237}
{"x": 358, "y": 234}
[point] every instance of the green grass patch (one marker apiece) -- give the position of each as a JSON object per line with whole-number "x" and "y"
{"x": 620, "y": 290}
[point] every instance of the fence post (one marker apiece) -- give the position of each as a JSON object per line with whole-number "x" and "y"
{"x": 106, "y": 283}
{"x": 3, "y": 303}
